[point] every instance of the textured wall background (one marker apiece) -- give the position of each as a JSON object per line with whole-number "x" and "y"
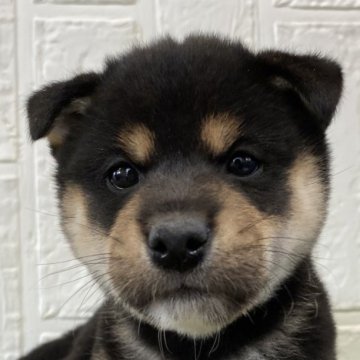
{"x": 41, "y": 40}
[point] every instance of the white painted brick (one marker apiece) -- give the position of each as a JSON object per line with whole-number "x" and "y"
{"x": 66, "y": 46}
{"x": 8, "y": 133}
{"x": 339, "y": 248}
{"x": 349, "y": 343}
{"x": 318, "y": 3}
{"x": 228, "y": 17}
{"x": 7, "y": 9}
{"x": 348, "y": 335}
{"x": 10, "y": 301}
{"x": 86, "y": 2}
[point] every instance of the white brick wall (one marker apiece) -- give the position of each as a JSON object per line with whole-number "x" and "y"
{"x": 41, "y": 40}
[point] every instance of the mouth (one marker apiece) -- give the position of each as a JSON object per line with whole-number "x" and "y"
{"x": 196, "y": 304}
{"x": 192, "y": 312}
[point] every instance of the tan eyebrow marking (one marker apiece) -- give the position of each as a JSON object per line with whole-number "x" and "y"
{"x": 138, "y": 142}
{"x": 219, "y": 132}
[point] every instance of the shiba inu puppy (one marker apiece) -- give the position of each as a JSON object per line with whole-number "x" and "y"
{"x": 193, "y": 182}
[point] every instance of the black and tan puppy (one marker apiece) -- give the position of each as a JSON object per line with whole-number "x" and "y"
{"x": 193, "y": 182}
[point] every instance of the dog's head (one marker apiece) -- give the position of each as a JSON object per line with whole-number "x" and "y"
{"x": 192, "y": 176}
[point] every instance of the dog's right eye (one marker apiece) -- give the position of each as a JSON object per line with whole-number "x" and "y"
{"x": 123, "y": 176}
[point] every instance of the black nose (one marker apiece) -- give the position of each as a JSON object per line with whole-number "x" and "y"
{"x": 178, "y": 244}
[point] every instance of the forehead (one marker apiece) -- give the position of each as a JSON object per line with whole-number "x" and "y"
{"x": 183, "y": 98}
{"x": 216, "y": 133}
{"x": 212, "y": 133}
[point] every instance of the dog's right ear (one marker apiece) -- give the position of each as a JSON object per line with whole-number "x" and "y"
{"x": 52, "y": 109}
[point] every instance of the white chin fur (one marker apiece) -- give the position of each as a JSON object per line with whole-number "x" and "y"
{"x": 191, "y": 318}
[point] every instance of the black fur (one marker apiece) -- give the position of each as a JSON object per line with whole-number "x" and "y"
{"x": 285, "y": 103}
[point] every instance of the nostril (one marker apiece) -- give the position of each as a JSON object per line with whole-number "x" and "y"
{"x": 194, "y": 244}
{"x": 160, "y": 247}
{"x": 178, "y": 245}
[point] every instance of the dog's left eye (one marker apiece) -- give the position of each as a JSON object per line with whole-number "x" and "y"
{"x": 123, "y": 176}
{"x": 243, "y": 164}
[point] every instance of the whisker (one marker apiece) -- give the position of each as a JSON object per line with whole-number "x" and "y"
{"x": 73, "y": 259}
{"x": 161, "y": 344}
{"x": 87, "y": 293}
{"x": 249, "y": 226}
{"x": 73, "y": 267}
{"x": 200, "y": 348}
{"x": 195, "y": 356}
{"x": 166, "y": 345}
{"x": 71, "y": 218}
{"x": 81, "y": 289}
{"x": 67, "y": 282}
{"x": 215, "y": 344}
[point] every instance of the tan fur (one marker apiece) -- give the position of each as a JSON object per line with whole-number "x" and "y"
{"x": 60, "y": 129}
{"x": 127, "y": 228}
{"x": 241, "y": 240}
{"x": 308, "y": 204}
{"x": 219, "y": 132}
{"x": 75, "y": 218}
{"x": 300, "y": 229}
{"x": 89, "y": 243}
{"x": 308, "y": 196}
{"x": 58, "y": 133}
{"x": 138, "y": 142}
{"x": 239, "y": 219}
{"x": 308, "y": 201}
{"x": 131, "y": 265}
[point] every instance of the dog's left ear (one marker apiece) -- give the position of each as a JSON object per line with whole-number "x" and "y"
{"x": 53, "y": 109}
{"x": 316, "y": 80}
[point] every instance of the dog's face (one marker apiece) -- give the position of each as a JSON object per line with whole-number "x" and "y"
{"x": 192, "y": 176}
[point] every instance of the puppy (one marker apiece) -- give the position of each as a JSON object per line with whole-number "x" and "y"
{"x": 193, "y": 182}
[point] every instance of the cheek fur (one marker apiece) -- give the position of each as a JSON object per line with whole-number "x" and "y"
{"x": 133, "y": 276}
{"x": 257, "y": 251}
{"x": 238, "y": 257}
{"x": 89, "y": 243}
{"x": 120, "y": 254}
{"x": 131, "y": 241}
{"x": 299, "y": 230}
